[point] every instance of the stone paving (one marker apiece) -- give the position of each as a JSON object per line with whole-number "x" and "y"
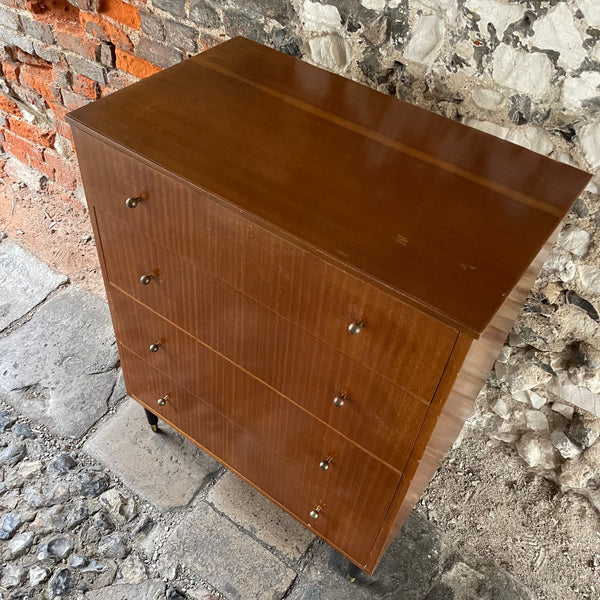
{"x": 94, "y": 506}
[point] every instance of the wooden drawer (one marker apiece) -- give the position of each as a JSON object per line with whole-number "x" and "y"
{"x": 239, "y": 327}
{"x": 318, "y": 296}
{"x": 393, "y": 417}
{"x": 277, "y": 447}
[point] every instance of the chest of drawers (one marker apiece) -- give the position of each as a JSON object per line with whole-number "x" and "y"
{"x": 309, "y": 279}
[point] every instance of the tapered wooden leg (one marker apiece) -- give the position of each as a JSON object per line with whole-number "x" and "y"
{"x": 152, "y": 420}
{"x": 353, "y": 572}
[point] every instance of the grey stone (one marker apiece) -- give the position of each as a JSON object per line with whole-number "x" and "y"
{"x": 537, "y": 451}
{"x": 179, "y": 469}
{"x": 133, "y": 570}
{"x": 152, "y": 26}
{"x": 62, "y": 464}
{"x": 173, "y": 7}
{"x": 575, "y": 240}
{"x": 23, "y": 431}
{"x": 40, "y": 31}
{"x": 92, "y": 483}
{"x": 30, "y": 469}
{"x": 32, "y": 178}
{"x": 78, "y": 561}
{"x": 56, "y": 549}
{"x": 49, "y": 520}
{"x": 575, "y": 473}
{"x": 11, "y": 522}
{"x": 204, "y": 15}
{"x": 59, "y": 368}
{"x": 25, "y": 281}
{"x": 114, "y": 545}
{"x": 7, "y": 420}
{"x": 37, "y": 575}
{"x": 9, "y": 18}
{"x": 118, "y": 505}
{"x": 426, "y": 40}
{"x": 181, "y": 36}
{"x": 86, "y": 67}
{"x": 159, "y": 54}
{"x": 148, "y": 590}
{"x": 576, "y": 300}
{"x": 60, "y": 583}
{"x": 242, "y": 504}
{"x": 525, "y": 72}
{"x": 284, "y": 42}
{"x": 408, "y": 569}
{"x": 584, "y": 430}
{"x": 12, "y": 38}
{"x": 32, "y": 495}
{"x": 217, "y": 551}
{"x": 12, "y": 454}
{"x": 102, "y": 522}
{"x": 12, "y": 576}
{"x": 20, "y": 544}
{"x": 47, "y": 52}
{"x": 329, "y": 51}
{"x": 566, "y": 447}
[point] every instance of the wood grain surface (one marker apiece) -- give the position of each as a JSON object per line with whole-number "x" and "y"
{"x": 384, "y": 421}
{"x": 256, "y": 338}
{"x": 317, "y": 296}
{"x": 447, "y": 239}
{"x": 354, "y": 493}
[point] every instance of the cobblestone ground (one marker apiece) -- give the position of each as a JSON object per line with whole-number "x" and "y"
{"x": 94, "y": 506}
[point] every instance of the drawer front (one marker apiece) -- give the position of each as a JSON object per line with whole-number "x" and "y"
{"x": 229, "y": 321}
{"x": 319, "y": 297}
{"x": 278, "y": 448}
{"x": 383, "y": 419}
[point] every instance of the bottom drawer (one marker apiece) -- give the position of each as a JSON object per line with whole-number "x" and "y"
{"x": 351, "y": 497}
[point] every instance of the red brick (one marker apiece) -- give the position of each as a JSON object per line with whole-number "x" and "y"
{"x": 11, "y": 71}
{"x": 65, "y": 172}
{"x": 99, "y": 27}
{"x": 63, "y": 129}
{"x": 41, "y": 80}
{"x": 27, "y": 152}
{"x": 140, "y": 67}
{"x": 31, "y": 132}
{"x": 121, "y": 11}
{"x": 85, "y": 86}
{"x": 9, "y": 106}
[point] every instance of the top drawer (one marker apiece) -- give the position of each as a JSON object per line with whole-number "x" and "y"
{"x": 318, "y": 296}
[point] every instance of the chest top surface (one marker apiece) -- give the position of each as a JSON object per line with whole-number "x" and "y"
{"x": 441, "y": 215}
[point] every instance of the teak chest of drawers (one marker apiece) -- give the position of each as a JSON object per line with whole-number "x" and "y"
{"x": 310, "y": 279}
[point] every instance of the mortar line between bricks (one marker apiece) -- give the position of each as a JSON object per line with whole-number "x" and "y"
{"x": 24, "y": 319}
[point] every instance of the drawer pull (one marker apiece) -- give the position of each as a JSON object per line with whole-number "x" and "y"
{"x": 355, "y": 327}
{"x": 146, "y": 279}
{"x": 162, "y": 401}
{"x": 339, "y": 400}
{"x": 133, "y": 201}
{"x": 154, "y": 347}
{"x": 324, "y": 464}
{"x": 314, "y": 513}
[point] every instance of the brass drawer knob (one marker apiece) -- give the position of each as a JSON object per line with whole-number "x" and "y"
{"x": 133, "y": 201}
{"x": 355, "y": 327}
{"x": 154, "y": 347}
{"x": 339, "y": 400}
{"x": 146, "y": 279}
{"x": 162, "y": 401}
{"x": 324, "y": 464}
{"x": 314, "y": 513}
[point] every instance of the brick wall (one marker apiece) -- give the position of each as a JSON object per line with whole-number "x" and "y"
{"x": 499, "y": 65}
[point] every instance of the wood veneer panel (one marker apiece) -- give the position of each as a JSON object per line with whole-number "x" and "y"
{"x": 453, "y": 241}
{"x": 311, "y": 293}
{"x": 354, "y": 493}
{"x": 265, "y": 344}
{"x": 469, "y": 365}
{"x": 393, "y": 418}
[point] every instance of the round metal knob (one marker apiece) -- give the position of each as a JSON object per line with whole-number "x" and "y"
{"x": 339, "y": 400}
{"x": 154, "y": 347}
{"x": 314, "y": 513}
{"x": 162, "y": 401}
{"x": 132, "y": 202}
{"x": 146, "y": 279}
{"x": 355, "y": 327}
{"x": 324, "y": 465}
